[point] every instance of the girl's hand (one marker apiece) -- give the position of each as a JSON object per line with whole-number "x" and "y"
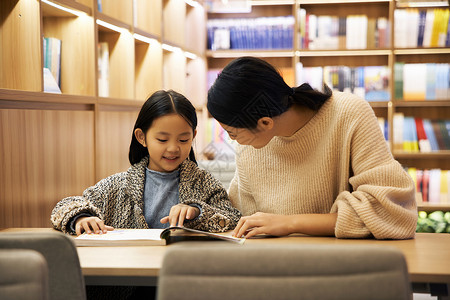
{"x": 179, "y": 213}
{"x": 91, "y": 225}
{"x": 263, "y": 223}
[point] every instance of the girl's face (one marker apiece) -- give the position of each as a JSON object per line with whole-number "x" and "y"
{"x": 168, "y": 141}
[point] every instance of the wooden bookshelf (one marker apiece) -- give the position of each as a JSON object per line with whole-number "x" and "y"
{"x": 386, "y": 56}
{"x": 57, "y": 145}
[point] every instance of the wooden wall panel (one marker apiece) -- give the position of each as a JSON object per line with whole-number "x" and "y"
{"x": 113, "y": 141}
{"x": 45, "y": 155}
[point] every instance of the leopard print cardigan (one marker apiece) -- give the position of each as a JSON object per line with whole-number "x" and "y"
{"x": 118, "y": 200}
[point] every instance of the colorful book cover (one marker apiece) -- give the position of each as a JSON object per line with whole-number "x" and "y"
{"x": 376, "y": 83}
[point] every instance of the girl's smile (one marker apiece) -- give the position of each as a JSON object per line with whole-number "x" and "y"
{"x": 169, "y": 141}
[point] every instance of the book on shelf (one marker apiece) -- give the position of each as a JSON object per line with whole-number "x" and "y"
{"x": 369, "y": 82}
{"x": 264, "y": 33}
{"x": 432, "y": 184}
{"x": 50, "y": 84}
{"x": 421, "y": 27}
{"x": 52, "y": 59}
{"x": 422, "y": 81}
{"x": 413, "y": 134}
{"x": 150, "y": 237}
{"x": 318, "y": 32}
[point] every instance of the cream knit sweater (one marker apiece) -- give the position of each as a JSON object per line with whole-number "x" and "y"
{"x": 338, "y": 162}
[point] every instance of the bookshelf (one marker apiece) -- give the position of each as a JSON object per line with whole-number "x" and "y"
{"x": 56, "y": 145}
{"x": 374, "y": 53}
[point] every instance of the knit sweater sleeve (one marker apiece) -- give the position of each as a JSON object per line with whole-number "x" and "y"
{"x": 199, "y": 187}
{"x": 92, "y": 202}
{"x": 381, "y": 202}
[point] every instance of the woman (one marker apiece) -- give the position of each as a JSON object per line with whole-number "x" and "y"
{"x": 308, "y": 162}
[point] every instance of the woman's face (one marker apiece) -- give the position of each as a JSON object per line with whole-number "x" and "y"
{"x": 254, "y": 137}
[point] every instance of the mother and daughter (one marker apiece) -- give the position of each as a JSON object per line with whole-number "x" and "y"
{"x": 307, "y": 162}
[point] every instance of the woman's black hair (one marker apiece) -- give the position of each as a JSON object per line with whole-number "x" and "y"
{"x": 250, "y": 88}
{"x": 159, "y": 104}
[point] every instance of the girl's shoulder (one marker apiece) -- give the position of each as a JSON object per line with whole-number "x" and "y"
{"x": 190, "y": 171}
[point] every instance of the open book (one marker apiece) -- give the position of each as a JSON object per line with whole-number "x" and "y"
{"x": 150, "y": 237}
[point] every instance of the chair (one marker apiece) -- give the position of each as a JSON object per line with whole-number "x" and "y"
{"x": 65, "y": 278}
{"x": 226, "y": 271}
{"x": 23, "y": 275}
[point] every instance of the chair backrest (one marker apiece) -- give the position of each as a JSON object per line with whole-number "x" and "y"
{"x": 23, "y": 275}
{"x": 225, "y": 271}
{"x": 65, "y": 278}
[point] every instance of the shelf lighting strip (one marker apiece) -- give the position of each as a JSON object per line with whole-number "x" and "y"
{"x": 193, "y": 3}
{"x": 190, "y": 55}
{"x": 145, "y": 39}
{"x": 171, "y": 48}
{"x": 110, "y": 26}
{"x": 72, "y": 11}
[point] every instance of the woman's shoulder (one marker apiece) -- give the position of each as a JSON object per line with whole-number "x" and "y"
{"x": 349, "y": 105}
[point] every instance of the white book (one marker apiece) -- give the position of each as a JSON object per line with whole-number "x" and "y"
{"x": 413, "y": 26}
{"x": 434, "y": 186}
{"x": 400, "y": 28}
{"x": 414, "y": 81}
{"x": 397, "y": 124}
{"x": 149, "y": 237}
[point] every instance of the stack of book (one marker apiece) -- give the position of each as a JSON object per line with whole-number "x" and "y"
{"x": 369, "y": 82}
{"x": 414, "y": 135}
{"x": 350, "y": 32}
{"x": 421, "y": 28}
{"x": 251, "y": 33}
{"x": 433, "y": 185}
{"x": 422, "y": 81}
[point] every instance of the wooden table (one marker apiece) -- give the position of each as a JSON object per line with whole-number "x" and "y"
{"x": 427, "y": 257}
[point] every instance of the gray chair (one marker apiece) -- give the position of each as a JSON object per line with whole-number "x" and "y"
{"x": 226, "y": 271}
{"x": 65, "y": 278}
{"x": 23, "y": 275}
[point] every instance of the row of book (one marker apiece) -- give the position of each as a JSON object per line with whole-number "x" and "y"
{"x": 52, "y": 64}
{"x": 414, "y": 135}
{"x": 429, "y": 81}
{"x": 433, "y": 185}
{"x": 421, "y": 28}
{"x": 350, "y": 32}
{"x": 368, "y": 82}
{"x": 251, "y": 33}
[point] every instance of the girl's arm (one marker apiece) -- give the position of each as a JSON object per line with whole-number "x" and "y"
{"x": 217, "y": 213}
{"x": 91, "y": 203}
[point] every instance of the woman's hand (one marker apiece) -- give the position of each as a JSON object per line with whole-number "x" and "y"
{"x": 179, "y": 213}
{"x": 263, "y": 223}
{"x": 91, "y": 225}
{"x": 280, "y": 225}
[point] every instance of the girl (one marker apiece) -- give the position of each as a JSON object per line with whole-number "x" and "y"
{"x": 162, "y": 187}
{"x": 309, "y": 162}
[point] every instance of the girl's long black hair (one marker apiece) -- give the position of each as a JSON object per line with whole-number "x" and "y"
{"x": 250, "y": 88}
{"x": 159, "y": 104}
